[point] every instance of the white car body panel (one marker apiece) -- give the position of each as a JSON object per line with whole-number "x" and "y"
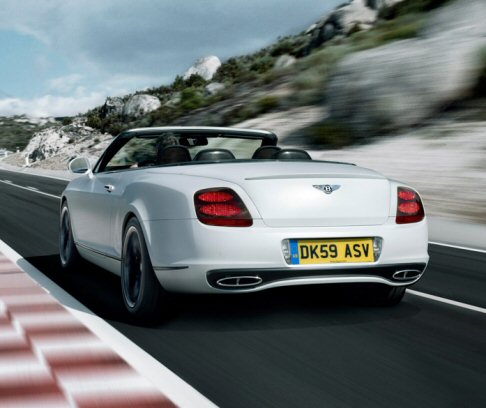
{"x": 213, "y": 249}
{"x": 283, "y": 205}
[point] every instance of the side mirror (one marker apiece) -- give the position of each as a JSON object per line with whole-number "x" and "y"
{"x": 79, "y": 165}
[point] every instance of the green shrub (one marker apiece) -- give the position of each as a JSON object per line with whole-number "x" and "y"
{"x": 292, "y": 45}
{"x": 67, "y": 121}
{"x": 354, "y": 29}
{"x": 410, "y": 7}
{"x": 237, "y": 114}
{"x": 308, "y": 79}
{"x": 179, "y": 84}
{"x": 313, "y": 72}
{"x": 244, "y": 113}
{"x": 163, "y": 116}
{"x": 267, "y": 103}
{"x": 399, "y": 29}
{"x": 94, "y": 121}
{"x": 404, "y": 27}
{"x": 195, "y": 81}
{"x": 115, "y": 128}
{"x": 327, "y": 134}
{"x": 229, "y": 71}
{"x": 262, "y": 64}
{"x": 16, "y": 132}
{"x": 191, "y": 99}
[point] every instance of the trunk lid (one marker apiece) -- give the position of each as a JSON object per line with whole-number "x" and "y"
{"x": 297, "y": 194}
{"x": 320, "y": 200}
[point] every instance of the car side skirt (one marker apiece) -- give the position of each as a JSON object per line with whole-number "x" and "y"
{"x": 99, "y": 258}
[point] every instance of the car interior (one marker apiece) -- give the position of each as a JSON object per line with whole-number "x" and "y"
{"x": 176, "y": 149}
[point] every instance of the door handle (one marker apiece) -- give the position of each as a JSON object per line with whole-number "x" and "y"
{"x": 109, "y": 188}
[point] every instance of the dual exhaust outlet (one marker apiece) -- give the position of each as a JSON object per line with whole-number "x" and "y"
{"x": 248, "y": 281}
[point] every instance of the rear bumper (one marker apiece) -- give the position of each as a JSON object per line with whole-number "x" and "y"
{"x": 250, "y": 279}
{"x": 187, "y": 255}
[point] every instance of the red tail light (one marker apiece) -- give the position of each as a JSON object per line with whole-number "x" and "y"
{"x": 409, "y": 206}
{"x": 221, "y": 207}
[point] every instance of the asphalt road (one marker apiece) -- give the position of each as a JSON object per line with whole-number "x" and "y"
{"x": 304, "y": 347}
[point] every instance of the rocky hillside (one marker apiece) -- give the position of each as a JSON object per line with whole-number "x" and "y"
{"x": 401, "y": 84}
{"x": 54, "y": 146}
{"x": 16, "y": 131}
{"x": 292, "y": 72}
{"x": 379, "y": 65}
{"x": 406, "y": 82}
{"x": 370, "y": 67}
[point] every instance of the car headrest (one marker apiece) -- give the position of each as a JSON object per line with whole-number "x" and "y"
{"x": 173, "y": 154}
{"x": 214, "y": 155}
{"x": 292, "y": 154}
{"x": 266, "y": 152}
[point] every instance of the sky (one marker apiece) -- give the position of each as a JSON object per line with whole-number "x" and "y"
{"x": 63, "y": 57}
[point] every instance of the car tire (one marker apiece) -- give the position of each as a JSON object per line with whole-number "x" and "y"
{"x": 68, "y": 253}
{"x": 384, "y": 295}
{"x": 142, "y": 292}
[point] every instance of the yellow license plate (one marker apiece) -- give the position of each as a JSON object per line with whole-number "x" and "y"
{"x": 321, "y": 251}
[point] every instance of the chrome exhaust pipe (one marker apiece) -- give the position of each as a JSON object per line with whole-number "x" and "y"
{"x": 406, "y": 275}
{"x": 239, "y": 281}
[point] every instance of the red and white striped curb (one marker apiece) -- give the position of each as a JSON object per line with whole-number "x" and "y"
{"x": 48, "y": 358}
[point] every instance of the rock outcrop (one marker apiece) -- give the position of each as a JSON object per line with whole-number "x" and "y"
{"x": 284, "y": 61}
{"x": 66, "y": 142}
{"x": 139, "y": 105}
{"x": 113, "y": 106}
{"x": 205, "y": 67}
{"x": 403, "y": 83}
{"x": 136, "y": 106}
{"x": 360, "y": 14}
{"x": 213, "y": 88}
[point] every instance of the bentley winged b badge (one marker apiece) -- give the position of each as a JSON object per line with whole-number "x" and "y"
{"x": 326, "y": 188}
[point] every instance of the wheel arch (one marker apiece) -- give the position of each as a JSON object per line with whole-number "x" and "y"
{"x": 128, "y": 216}
{"x": 63, "y": 200}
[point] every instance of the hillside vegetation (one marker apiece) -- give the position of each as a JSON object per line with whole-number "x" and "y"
{"x": 292, "y": 72}
{"x": 254, "y": 85}
{"x": 16, "y": 131}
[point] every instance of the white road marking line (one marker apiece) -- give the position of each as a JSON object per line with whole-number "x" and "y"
{"x": 36, "y": 175}
{"x": 483, "y": 251}
{"x": 51, "y": 401}
{"x": 448, "y": 301}
{"x": 29, "y": 189}
{"x": 121, "y": 379}
{"x": 172, "y": 386}
{"x": 33, "y": 188}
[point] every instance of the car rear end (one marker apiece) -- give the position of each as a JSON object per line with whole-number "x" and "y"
{"x": 287, "y": 224}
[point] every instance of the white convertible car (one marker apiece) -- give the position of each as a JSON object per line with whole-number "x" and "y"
{"x": 224, "y": 210}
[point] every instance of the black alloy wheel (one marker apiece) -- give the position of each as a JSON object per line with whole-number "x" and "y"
{"x": 68, "y": 252}
{"x": 142, "y": 293}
